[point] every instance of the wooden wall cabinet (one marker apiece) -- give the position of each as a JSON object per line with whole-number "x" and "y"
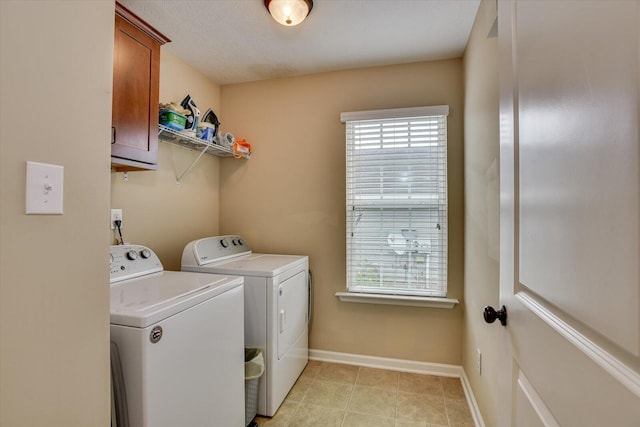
{"x": 136, "y": 85}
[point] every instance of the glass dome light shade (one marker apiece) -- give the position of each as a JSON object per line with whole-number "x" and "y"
{"x": 289, "y": 12}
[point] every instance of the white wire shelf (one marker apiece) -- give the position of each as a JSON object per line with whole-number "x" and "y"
{"x": 171, "y": 136}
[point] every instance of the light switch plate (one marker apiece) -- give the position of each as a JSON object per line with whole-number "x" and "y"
{"x": 44, "y": 189}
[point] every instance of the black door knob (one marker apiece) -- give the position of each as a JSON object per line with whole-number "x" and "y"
{"x": 490, "y": 315}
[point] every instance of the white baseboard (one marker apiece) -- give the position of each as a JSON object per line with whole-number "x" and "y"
{"x": 386, "y": 363}
{"x": 471, "y": 399}
{"x": 402, "y": 365}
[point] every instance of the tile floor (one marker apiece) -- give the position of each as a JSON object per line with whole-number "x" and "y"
{"x": 330, "y": 394}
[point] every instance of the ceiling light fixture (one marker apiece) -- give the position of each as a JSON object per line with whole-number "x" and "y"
{"x": 289, "y": 12}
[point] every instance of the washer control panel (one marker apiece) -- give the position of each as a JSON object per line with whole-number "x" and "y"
{"x": 129, "y": 261}
{"x": 217, "y": 248}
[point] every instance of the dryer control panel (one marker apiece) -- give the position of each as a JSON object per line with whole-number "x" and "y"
{"x": 129, "y": 261}
{"x": 211, "y": 249}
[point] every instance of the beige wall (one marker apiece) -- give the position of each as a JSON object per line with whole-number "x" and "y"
{"x": 56, "y": 56}
{"x": 481, "y": 130}
{"x": 290, "y": 196}
{"x": 156, "y": 212}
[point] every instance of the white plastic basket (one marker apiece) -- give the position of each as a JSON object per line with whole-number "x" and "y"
{"x": 253, "y": 370}
{"x": 250, "y": 400}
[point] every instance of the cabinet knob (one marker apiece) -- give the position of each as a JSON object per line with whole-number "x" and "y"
{"x": 490, "y": 315}
{"x": 113, "y": 134}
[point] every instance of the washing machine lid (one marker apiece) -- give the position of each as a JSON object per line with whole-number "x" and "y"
{"x": 260, "y": 265}
{"x": 146, "y": 300}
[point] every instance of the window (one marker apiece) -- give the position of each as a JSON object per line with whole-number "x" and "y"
{"x": 397, "y": 201}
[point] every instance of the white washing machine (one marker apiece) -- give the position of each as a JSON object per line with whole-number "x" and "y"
{"x": 177, "y": 344}
{"x": 277, "y": 307}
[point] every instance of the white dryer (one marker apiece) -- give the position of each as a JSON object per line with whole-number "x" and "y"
{"x": 177, "y": 344}
{"x": 276, "y": 307}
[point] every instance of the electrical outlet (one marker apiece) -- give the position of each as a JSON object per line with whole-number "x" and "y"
{"x": 116, "y": 214}
{"x": 479, "y": 361}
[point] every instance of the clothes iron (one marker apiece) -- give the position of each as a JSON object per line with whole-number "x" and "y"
{"x": 210, "y": 117}
{"x": 192, "y": 119}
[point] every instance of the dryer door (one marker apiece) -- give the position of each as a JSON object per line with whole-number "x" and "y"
{"x": 292, "y": 311}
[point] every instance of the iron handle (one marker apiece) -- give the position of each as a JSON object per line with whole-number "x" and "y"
{"x": 490, "y": 315}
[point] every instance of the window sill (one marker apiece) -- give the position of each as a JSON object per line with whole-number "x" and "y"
{"x": 431, "y": 302}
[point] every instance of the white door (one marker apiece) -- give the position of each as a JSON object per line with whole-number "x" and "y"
{"x": 570, "y": 212}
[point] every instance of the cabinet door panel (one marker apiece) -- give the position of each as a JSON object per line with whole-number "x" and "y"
{"x": 135, "y": 96}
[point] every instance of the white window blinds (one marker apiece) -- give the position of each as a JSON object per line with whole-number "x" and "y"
{"x": 397, "y": 201}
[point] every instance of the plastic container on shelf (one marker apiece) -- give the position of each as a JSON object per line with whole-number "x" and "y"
{"x": 206, "y": 131}
{"x": 172, "y": 120}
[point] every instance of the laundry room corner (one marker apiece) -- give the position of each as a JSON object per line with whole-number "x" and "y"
{"x": 158, "y": 212}
{"x": 290, "y": 198}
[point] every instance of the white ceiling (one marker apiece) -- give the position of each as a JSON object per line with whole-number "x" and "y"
{"x": 233, "y": 41}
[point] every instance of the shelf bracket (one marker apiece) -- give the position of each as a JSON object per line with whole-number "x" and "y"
{"x": 186, "y": 141}
{"x": 187, "y": 170}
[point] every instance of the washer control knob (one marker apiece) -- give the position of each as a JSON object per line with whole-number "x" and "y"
{"x": 224, "y": 243}
{"x": 145, "y": 253}
{"x": 240, "y": 242}
{"x": 132, "y": 255}
{"x": 235, "y": 242}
